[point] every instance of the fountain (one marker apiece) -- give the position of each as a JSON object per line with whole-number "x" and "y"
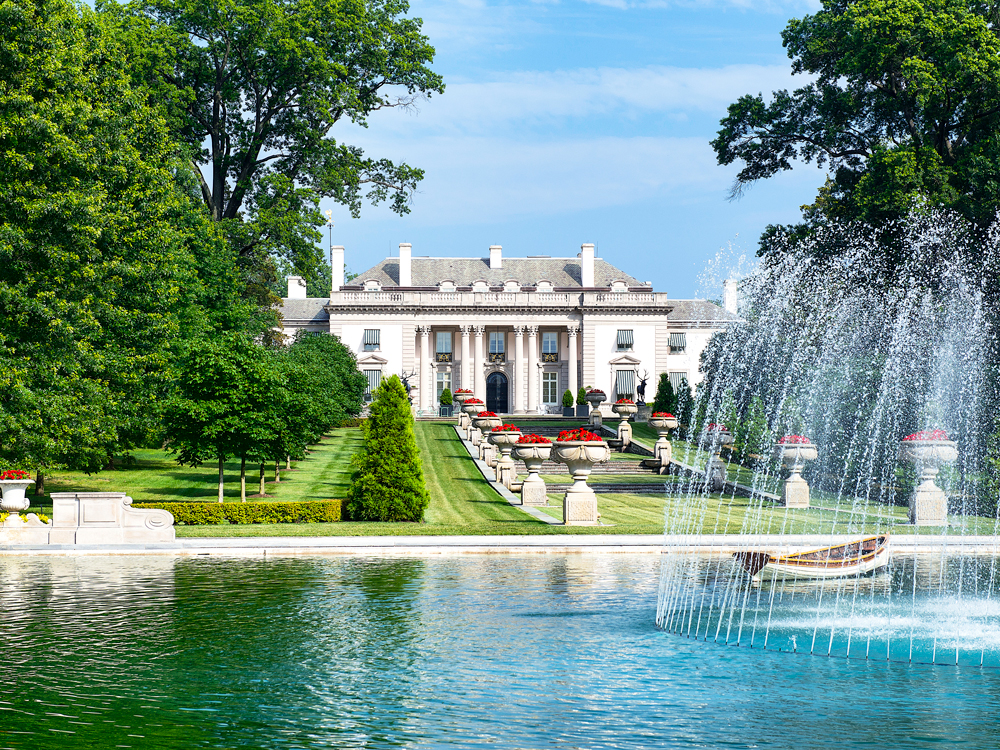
{"x": 885, "y": 368}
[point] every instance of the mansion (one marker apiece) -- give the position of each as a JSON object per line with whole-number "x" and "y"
{"x": 519, "y": 332}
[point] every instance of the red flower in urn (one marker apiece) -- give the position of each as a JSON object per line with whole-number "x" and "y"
{"x": 14, "y": 475}
{"x": 716, "y": 427}
{"x": 625, "y": 401}
{"x": 664, "y": 415}
{"x": 507, "y": 428}
{"x": 794, "y": 440}
{"x": 473, "y": 401}
{"x": 578, "y": 435}
{"x": 464, "y": 390}
{"x": 485, "y": 413}
{"x": 927, "y": 435}
{"x": 533, "y": 439}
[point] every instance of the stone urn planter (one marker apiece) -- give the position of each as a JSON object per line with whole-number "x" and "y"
{"x": 471, "y": 407}
{"x": 580, "y": 450}
{"x": 460, "y": 397}
{"x": 624, "y": 408}
{"x": 504, "y": 437}
{"x": 595, "y": 397}
{"x": 13, "y": 484}
{"x": 663, "y": 422}
{"x": 533, "y": 450}
{"x": 481, "y": 425}
{"x": 793, "y": 451}
{"x": 714, "y": 438}
{"x": 928, "y": 451}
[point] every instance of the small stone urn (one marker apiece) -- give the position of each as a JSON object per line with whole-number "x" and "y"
{"x": 594, "y": 398}
{"x": 460, "y": 397}
{"x": 624, "y": 408}
{"x": 12, "y": 499}
{"x": 928, "y": 451}
{"x": 533, "y": 453}
{"x": 580, "y": 455}
{"x": 793, "y": 451}
{"x": 481, "y": 426}
{"x": 471, "y": 407}
{"x": 663, "y": 423}
{"x": 504, "y": 438}
{"x": 714, "y": 438}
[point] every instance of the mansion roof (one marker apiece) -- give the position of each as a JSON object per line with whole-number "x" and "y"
{"x": 561, "y": 273}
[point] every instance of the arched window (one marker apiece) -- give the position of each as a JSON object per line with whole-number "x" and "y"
{"x": 372, "y": 285}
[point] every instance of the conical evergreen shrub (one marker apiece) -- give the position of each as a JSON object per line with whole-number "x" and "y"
{"x": 388, "y": 482}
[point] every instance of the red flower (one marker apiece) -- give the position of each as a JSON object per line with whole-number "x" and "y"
{"x": 507, "y": 428}
{"x": 463, "y": 390}
{"x": 595, "y": 390}
{"x": 625, "y": 401}
{"x": 927, "y": 435}
{"x": 794, "y": 440}
{"x": 664, "y": 414}
{"x": 485, "y": 413}
{"x": 473, "y": 401}
{"x": 578, "y": 435}
{"x": 14, "y": 474}
{"x": 716, "y": 427}
{"x": 533, "y": 439}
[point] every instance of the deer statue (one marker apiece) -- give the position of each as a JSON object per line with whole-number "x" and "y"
{"x": 641, "y": 389}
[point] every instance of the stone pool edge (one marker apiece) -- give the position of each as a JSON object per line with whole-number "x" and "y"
{"x": 500, "y": 545}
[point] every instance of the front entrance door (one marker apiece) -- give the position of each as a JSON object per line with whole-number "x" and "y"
{"x": 496, "y": 393}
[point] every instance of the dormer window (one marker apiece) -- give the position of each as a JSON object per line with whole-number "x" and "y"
{"x": 446, "y": 286}
{"x": 544, "y": 286}
{"x": 512, "y": 285}
{"x": 372, "y": 285}
{"x": 480, "y": 286}
{"x": 619, "y": 286}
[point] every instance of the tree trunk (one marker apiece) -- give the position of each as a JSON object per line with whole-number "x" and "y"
{"x": 277, "y": 471}
{"x": 39, "y": 484}
{"x": 243, "y": 479}
{"x": 262, "y": 482}
{"x": 222, "y": 479}
{"x": 288, "y": 463}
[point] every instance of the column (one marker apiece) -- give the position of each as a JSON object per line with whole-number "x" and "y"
{"x": 426, "y": 387}
{"x": 572, "y": 366}
{"x": 478, "y": 375}
{"x": 517, "y": 371}
{"x": 532, "y": 369}
{"x": 466, "y": 370}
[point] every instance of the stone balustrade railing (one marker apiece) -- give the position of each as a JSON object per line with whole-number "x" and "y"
{"x": 503, "y": 299}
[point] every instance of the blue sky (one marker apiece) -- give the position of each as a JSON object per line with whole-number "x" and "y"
{"x": 568, "y": 122}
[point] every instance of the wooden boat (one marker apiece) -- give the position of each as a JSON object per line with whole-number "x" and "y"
{"x": 837, "y": 561}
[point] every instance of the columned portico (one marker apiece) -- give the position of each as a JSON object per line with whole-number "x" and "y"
{"x": 532, "y": 369}
{"x": 573, "y": 365}
{"x": 479, "y": 375}
{"x": 426, "y": 381}
{"x": 517, "y": 370}
{"x": 466, "y": 371}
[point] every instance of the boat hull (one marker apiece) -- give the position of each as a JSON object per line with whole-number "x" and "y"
{"x": 837, "y": 561}
{"x": 797, "y": 571}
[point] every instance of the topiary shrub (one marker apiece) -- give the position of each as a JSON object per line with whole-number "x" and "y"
{"x": 665, "y": 398}
{"x": 567, "y": 400}
{"x": 446, "y": 398}
{"x": 388, "y": 481}
{"x": 581, "y": 397}
{"x": 208, "y": 514}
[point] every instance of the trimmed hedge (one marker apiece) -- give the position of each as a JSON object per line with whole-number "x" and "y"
{"x": 198, "y": 514}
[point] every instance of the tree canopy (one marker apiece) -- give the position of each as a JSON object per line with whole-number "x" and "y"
{"x": 902, "y": 106}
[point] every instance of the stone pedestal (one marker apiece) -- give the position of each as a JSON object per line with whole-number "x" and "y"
{"x": 715, "y": 471}
{"x": 504, "y": 442}
{"x": 663, "y": 451}
{"x": 595, "y": 398}
{"x": 928, "y": 504}
{"x": 795, "y": 493}
{"x": 533, "y": 490}
{"x": 624, "y": 411}
{"x": 580, "y": 502}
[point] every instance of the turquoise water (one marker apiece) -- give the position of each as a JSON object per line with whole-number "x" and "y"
{"x": 507, "y": 652}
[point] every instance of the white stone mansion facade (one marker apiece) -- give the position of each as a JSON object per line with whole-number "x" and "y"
{"x": 517, "y": 331}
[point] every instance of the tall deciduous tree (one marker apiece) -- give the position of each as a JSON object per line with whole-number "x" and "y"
{"x": 255, "y": 87}
{"x": 101, "y": 247}
{"x": 903, "y": 104}
{"x": 388, "y": 483}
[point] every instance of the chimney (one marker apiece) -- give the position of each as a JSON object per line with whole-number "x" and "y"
{"x": 587, "y": 266}
{"x": 730, "y": 299}
{"x": 496, "y": 260}
{"x": 296, "y": 287}
{"x": 337, "y": 264}
{"x": 405, "y": 264}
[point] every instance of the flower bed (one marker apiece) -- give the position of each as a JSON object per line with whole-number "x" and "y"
{"x": 567, "y": 436}
{"x": 533, "y": 439}
{"x": 663, "y": 415}
{"x": 507, "y": 428}
{"x": 625, "y": 401}
{"x": 794, "y": 440}
{"x": 14, "y": 475}
{"x": 927, "y": 435}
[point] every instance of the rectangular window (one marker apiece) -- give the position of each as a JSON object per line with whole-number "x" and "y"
{"x": 678, "y": 343}
{"x": 550, "y": 342}
{"x": 497, "y": 342}
{"x": 444, "y": 342}
{"x": 374, "y": 380}
{"x": 624, "y": 341}
{"x": 676, "y": 378}
{"x": 550, "y": 388}
{"x": 371, "y": 339}
{"x": 625, "y": 384}
{"x": 443, "y": 381}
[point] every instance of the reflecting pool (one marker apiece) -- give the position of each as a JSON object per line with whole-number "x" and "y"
{"x": 509, "y": 652}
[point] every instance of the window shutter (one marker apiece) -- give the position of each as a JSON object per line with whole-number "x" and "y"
{"x": 374, "y": 380}
{"x": 624, "y": 340}
{"x": 678, "y": 340}
{"x": 676, "y": 378}
{"x": 625, "y": 383}
{"x": 371, "y": 337}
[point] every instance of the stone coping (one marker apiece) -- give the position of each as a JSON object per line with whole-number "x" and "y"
{"x": 563, "y": 544}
